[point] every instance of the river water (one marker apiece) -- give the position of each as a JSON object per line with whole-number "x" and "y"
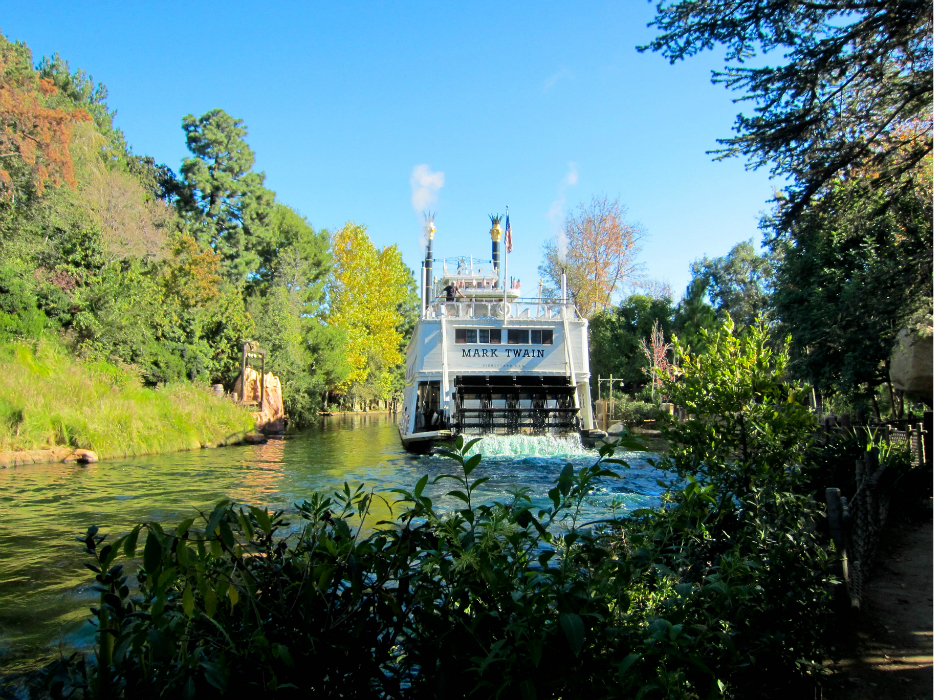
{"x": 45, "y": 591}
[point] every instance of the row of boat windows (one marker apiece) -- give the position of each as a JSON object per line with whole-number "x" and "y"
{"x": 500, "y": 336}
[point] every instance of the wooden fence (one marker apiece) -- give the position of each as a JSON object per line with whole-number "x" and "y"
{"x": 856, "y": 523}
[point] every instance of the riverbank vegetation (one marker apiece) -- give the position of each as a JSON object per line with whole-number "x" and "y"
{"x": 725, "y": 591}
{"x": 840, "y": 112}
{"x": 48, "y": 399}
{"x": 127, "y": 263}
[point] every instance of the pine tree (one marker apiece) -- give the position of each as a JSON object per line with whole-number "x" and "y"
{"x": 222, "y": 196}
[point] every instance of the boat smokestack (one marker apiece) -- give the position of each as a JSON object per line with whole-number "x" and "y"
{"x": 429, "y": 260}
{"x": 424, "y": 288}
{"x": 496, "y": 233}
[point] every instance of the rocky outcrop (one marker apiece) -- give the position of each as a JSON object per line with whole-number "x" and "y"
{"x": 82, "y": 457}
{"x": 54, "y": 454}
{"x": 270, "y": 416}
{"x": 911, "y": 367}
{"x": 17, "y": 457}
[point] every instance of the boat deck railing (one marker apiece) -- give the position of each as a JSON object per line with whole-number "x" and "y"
{"x": 490, "y": 309}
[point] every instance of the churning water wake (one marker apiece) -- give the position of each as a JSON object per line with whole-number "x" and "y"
{"x": 543, "y": 446}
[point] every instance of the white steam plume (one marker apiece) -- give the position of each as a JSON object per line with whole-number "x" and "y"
{"x": 556, "y": 211}
{"x": 425, "y": 185}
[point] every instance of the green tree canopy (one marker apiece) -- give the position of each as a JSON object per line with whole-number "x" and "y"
{"x": 847, "y": 93}
{"x": 694, "y": 315}
{"x": 287, "y": 292}
{"x": 739, "y": 283}
{"x": 851, "y": 279}
{"x": 366, "y": 297}
{"x": 222, "y": 196}
{"x": 615, "y": 336}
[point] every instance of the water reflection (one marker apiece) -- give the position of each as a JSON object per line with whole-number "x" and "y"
{"x": 45, "y": 590}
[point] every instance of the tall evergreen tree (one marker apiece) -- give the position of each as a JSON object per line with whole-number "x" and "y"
{"x": 221, "y": 194}
{"x": 844, "y": 80}
{"x": 739, "y": 283}
{"x": 693, "y": 315}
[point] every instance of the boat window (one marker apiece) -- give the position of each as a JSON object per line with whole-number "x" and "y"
{"x": 493, "y": 336}
{"x": 490, "y": 335}
{"x": 543, "y": 337}
{"x": 518, "y": 337}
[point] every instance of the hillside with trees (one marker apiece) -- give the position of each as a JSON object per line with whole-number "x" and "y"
{"x": 165, "y": 275}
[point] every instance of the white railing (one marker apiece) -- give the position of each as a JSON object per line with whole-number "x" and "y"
{"x": 517, "y": 309}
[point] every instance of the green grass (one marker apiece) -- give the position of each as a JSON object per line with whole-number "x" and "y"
{"x": 48, "y": 397}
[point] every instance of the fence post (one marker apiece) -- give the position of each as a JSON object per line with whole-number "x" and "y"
{"x": 835, "y": 520}
{"x": 926, "y": 423}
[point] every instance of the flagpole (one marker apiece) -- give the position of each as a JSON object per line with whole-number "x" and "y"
{"x": 506, "y": 271}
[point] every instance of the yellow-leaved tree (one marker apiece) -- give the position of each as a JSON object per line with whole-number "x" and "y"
{"x": 364, "y": 296}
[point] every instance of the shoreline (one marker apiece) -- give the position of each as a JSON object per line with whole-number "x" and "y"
{"x": 328, "y": 414}
{"x": 60, "y": 454}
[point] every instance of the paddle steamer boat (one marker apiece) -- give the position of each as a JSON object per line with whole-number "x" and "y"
{"x": 485, "y": 360}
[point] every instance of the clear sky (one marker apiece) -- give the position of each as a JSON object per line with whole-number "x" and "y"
{"x": 535, "y": 105}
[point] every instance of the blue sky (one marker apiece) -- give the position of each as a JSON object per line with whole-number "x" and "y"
{"x": 535, "y": 105}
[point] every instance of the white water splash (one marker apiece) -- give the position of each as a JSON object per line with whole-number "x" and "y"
{"x": 517, "y": 446}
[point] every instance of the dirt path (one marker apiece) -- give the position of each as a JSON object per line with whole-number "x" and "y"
{"x": 890, "y": 655}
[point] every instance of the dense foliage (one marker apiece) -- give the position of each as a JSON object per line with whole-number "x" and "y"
{"x": 856, "y": 271}
{"x": 167, "y": 275}
{"x": 368, "y": 288}
{"x": 723, "y": 591}
{"x": 615, "y": 336}
{"x": 842, "y": 95}
{"x": 738, "y": 284}
{"x": 846, "y": 83}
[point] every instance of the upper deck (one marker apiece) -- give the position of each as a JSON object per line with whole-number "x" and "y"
{"x": 492, "y": 308}
{"x": 482, "y": 337}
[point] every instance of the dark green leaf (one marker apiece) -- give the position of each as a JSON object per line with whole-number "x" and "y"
{"x": 226, "y": 535}
{"x": 152, "y": 553}
{"x": 573, "y": 627}
{"x": 183, "y": 527}
{"x": 129, "y": 544}
{"x": 471, "y": 464}
{"x": 420, "y": 486}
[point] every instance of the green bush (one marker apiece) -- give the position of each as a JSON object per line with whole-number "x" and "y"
{"x": 634, "y": 412}
{"x": 723, "y": 592}
{"x": 51, "y": 398}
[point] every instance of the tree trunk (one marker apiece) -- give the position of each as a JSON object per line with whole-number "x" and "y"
{"x": 888, "y": 382}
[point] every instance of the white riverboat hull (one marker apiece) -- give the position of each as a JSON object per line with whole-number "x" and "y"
{"x": 484, "y": 361}
{"x": 473, "y": 369}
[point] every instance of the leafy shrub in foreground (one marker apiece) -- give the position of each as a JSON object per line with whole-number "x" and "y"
{"x": 430, "y": 606}
{"x": 723, "y": 592}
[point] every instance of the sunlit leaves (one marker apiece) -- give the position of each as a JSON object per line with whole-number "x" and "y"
{"x": 34, "y": 138}
{"x": 597, "y": 251}
{"x": 367, "y": 288}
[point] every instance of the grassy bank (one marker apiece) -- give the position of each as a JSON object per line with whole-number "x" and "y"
{"x": 50, "y": 398}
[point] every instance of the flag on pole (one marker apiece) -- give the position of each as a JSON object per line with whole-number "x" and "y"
{"x": 507, "y": 241}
